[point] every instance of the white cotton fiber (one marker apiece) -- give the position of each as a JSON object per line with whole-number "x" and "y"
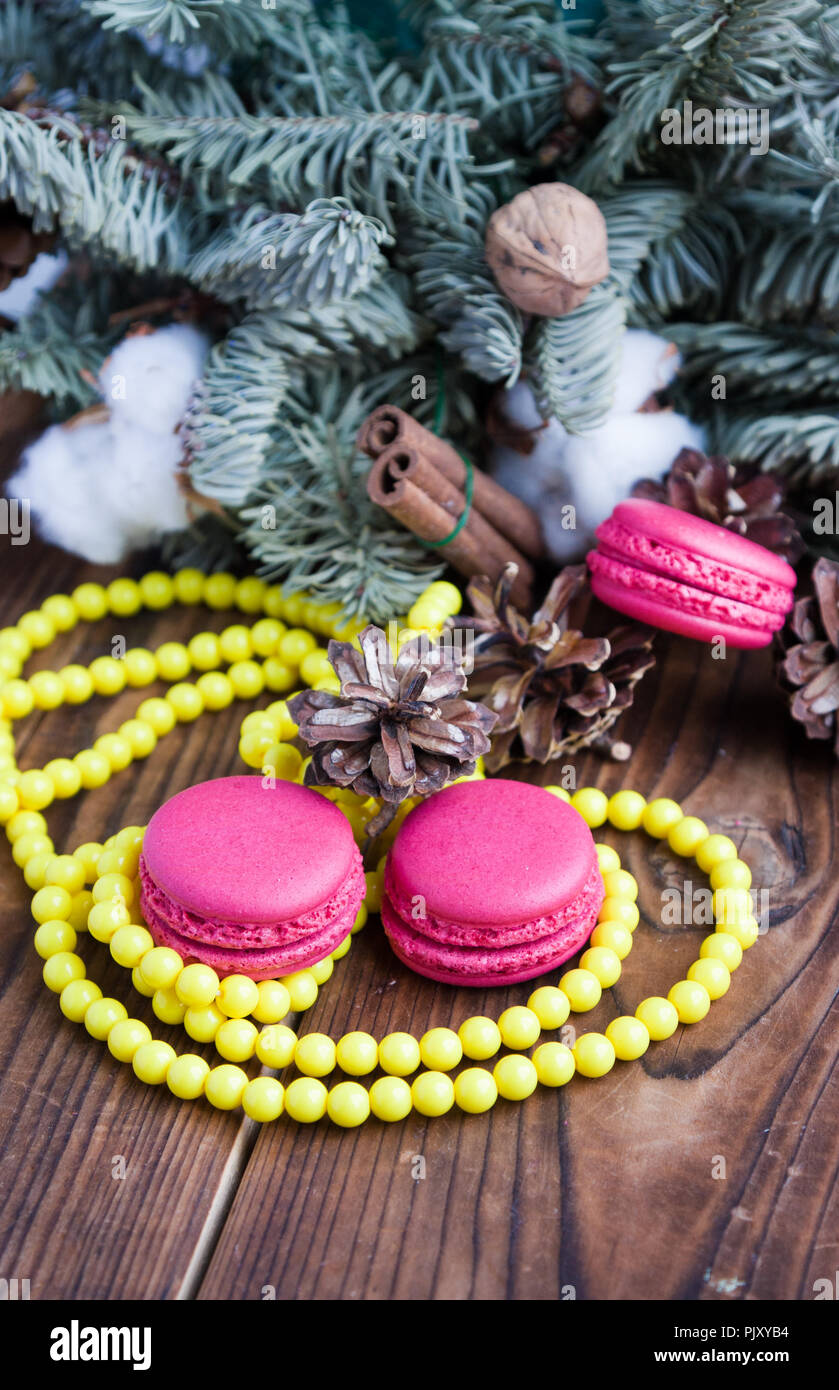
{"x": 149, "y": 377}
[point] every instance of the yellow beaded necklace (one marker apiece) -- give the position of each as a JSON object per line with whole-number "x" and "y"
{"x": 95, "y": 888}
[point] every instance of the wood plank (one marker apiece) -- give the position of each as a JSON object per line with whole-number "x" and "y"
{"x": 606, "y": 1189}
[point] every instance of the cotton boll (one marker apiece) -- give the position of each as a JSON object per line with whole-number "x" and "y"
{"x": 62, "y": 475}
{"x": 142, "y": 490}
{"x": 648, "y": 364}
{"x": 149, "y": 377}
{"x": 20, "y": 296}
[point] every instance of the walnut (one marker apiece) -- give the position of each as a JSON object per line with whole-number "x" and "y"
{"x": 547, "y": 248}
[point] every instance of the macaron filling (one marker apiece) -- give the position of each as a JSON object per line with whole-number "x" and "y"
{"x": 682, "y": 596}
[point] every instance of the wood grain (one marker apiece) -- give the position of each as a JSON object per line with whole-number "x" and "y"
{"x": 611, "y": 1189}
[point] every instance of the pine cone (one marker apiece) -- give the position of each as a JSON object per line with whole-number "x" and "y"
{"x": 19, "y": 245}
{"x": 744, "y": 501}
{"x": 811, "y": 666}
{"x": 395, "y": 730}
{"x": 554, "y": 689}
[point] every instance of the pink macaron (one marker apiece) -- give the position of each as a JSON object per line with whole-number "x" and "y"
{"x": 675, "y": 571}
{"x": 490, "y": 882}
{"x": 249, "y": 879}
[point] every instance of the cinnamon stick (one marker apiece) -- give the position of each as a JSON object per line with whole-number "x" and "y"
{"x": 507, "y": 514}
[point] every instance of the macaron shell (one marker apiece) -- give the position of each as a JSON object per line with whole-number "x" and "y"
{"x": 236, "y": 851}
{"x": 671, "y": 527}
{"x": 492, "y": 854}
{"x": 678, "y": 607}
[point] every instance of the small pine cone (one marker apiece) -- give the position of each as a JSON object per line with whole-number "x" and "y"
{"x": 810, "y": 667}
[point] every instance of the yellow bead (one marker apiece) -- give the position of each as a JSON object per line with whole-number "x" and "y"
{"x": 90, "y": 602}
{"x": 108, "y": 675}
{"x": 275, "y": 1046}
{"x": 732, "y": 905}
{"x": 9, "y": 803}
{"x": 152, "y": 1061}
{"x": 594, "y": 1054}
{"x": 302, "y": 989}
{"x": 399, "y": 1054}
{"x": 613, "y": 935}
{"x": 687, "y": 835}
{"x": 660, "y": 816}
{"x": 250, "y": 594}
{"x": 282, "y": 760}
{"x": 117, "y": 750}
{"x": 278, "y": 676}
{"x": 64, "y": 871}
{"x": 360, "y": 919}
{"x": 117, "y": 861}
{"x": 77, "y": 997}
{"x": 129, "y": 944}
{"x": 37, "y": 628}
{"x": 263, "y": 1099}
{"x": 236, "y": 1039}
{"x": 625, "y": 810}
{"x": 186, "y": 1076}
{"x": 659, "y": 1017}
{"x": 140, "y": 736}
{"x": 432, "y": 1093}
{"x": 519, "y": 1027}
{"x": 204, "y": 651}
{"x": 265, "y": 635}
{"x": 61, "y": 611}
{"x": 306, "y": 1100}
{"x": 480, "y": 1038}
{"x": 49, "y": 903}
{"x": 235, "y": 643}
{"x": 203, "y": 1023}
{"x": 731, "y": 873}
{"x": 295, "y": 644}
{"x": 167, "y": 1006}
{"x": 161, "y": 967}
{"x": 26, "y": 846}
{"x": 187, "y": 702}
{"x": 583, "y": 990}
{"x": 293, "y": 605}
{"x": 440, "y": 1049}
{"x": 608, "y": 859}
{"x": 447, "y": 595}
{"x": 717, "y": 849}
{"x": 713, "y": 974}
{"x": 47, "y": 689}
{"x": 390, "y": 1098}
{"x": 475, "y": 1090}
{"x": 254, "y": 745}
{"x": 314, "y": 1055}
{"x": 35, "y": 790}
{"x": 65, "y": 776}
{"x": 629, "y": 1037}
{"x": 126, "y": 1037}
{"x": 105, "y": 919}
{"x": 619, "y": 884}
{"x": 592, "y": 805}
{"x": 140, "y": 985}
{"x": 219, "y": 591}
{"x": 357, "y": 1054}
{"x": 159, "y": 714}
{"x": 554, "y": 1063}
{"x": 225, "y": 1086}
{"x": 188, "y": 585}
{"x": 322, "y": 970}
{"x": 603, "y": 963}
{"x": 25, "y": 823}
{"x": 13, "y": 642}
{"x": 341, "y": 951}
{"x": 273, "y": 1003}
{"x": 61, "y": 968}
{"x": 53, "y": 938}
{"x": 124, "y": 597}
{"x": 316, "y": 666}
{"x": 80, "y": 909}
{"x": 94, "y": 768}
{"x": 113, "y": 887}
{"x": 215, "y": 690}
{"x": 515, "y": 1076}
{"x": 76, "y": 684}
{"x": 16, "y": 699}
{"x": 102, "y": 1016}
{"x": 284, "y": 726}
{"x": 619, "y": 910}
{"x": 157, "y": 590}
{"x": 690, "y": 999}
{"x": 550, "y": 1005}
{"x": 35, "y": 870}
{"x": 173, "y": 663}
{"x": 373, "y": 894}
{"x": 237, "y": 996}
{"x": 722, "y": 946}
{"x": 273, "y": 602}
{"x": 140, "y": 667}
{"x": 745, "y": 932}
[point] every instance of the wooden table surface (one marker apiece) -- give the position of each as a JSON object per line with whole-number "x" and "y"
{"x": 706, "y": 1171}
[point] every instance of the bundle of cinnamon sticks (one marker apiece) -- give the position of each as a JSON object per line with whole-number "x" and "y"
{"x": 424, "y": 483}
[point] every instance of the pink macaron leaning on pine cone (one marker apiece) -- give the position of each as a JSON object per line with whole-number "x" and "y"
{"x": 675, "y": 571}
